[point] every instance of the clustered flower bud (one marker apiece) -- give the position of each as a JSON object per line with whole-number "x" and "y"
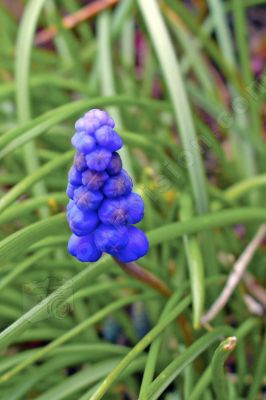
{"x": 102, "y": 207}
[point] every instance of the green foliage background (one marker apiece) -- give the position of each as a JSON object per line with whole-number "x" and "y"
{"x": 181, "y": 89}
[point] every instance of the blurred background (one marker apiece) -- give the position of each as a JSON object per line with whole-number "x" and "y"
{"x": 185, "y": 82}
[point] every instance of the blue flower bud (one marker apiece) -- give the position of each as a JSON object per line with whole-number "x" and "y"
{"x": 87, "y": 124}
{"x": 118, "y": 185}
{"x": 70, "y": 190}
{"x": 108, "y": 138}
{"x": 98, "y": 159}
{"x": 94, "y": 180}
{"x": 110, "y": 238}
{"x": 102, "y": 116}
{"x": 74, "y": 176}
{"x": 123, "y": 210}
{"x": 135, "y": 208}
{"x": 87, "y": 199}
{"x": 83, "y": 248}
{"x": 80, "y": 125}
{"x": 82, "y": 222}
{"x": 102, "y": 206}
{"x": 80, "y": 162}
{"x": 83, "y": 142}
{"x": 115, "y": 165}
{"x": 113, "y": 212}
{"x": 70, "y": 204}
{"x": 136, "y": 247}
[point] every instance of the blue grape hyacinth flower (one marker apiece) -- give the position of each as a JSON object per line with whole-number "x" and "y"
{"x": 102, "y": 207}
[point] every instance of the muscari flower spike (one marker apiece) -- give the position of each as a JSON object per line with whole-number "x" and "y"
{"x": 102, "y": 207}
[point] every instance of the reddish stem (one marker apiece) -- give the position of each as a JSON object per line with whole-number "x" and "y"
{"x": 133, "y": 269}
{"x": 70, "y": 21}
{"x": 147, "y": 277}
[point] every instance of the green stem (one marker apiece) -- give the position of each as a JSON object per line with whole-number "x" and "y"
{"x": 138, "y": 349}
{"x": 156, "y": 346}
{"x": 22, "y": 70}
{"x": 72, "y": 333}
{"x": 209, "y": 45}
{"x": 21, "y": 209}
{"x": 21, "y": 267}
{"x": 195, "y": 264}
{"x": 60, "y": 295}
{"x": 205, "y": 222}
{"x": 171, "y": 71}
{"x": 34, "y": 177}
{"x": 107, "y": 76}
{"x": 182, "y": 114}
{"x": 205, "y": 380}
{"x": 121, "y": 14}
{"x": 32, "y": 129}
{"x": 182, "y": 361}
{"x": 219, "y": 380}
{"x": 201, "y": 385}
{"x": 240, "y": 188}
{"x": 258, "y": 373}
{"x": 241, "y": 146}
{"x": 21, "y": 240}
{"x": 242, "y": 39}
{"x": 223, "y": 33}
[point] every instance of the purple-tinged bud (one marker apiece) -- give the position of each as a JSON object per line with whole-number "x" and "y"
{"x": 74, "y": 176}
{"x": 70, "y": 190}
{"x": 113, "y": 212}
{"x": 94, "y": 180}
{"x": 115, "y": 165}
{"x": 102, "y": 116}
{"x": 136, "y": 248}
{"x": 83, "y": 248}
{"x": 98, "y": 159}
{"x": 122, "y": 210}
{"x": 70, "y": 204}
{"x": 87, "y": 199}
{"x": 111, "y": 239}
{"x": 118, "y": 185}
{"x": 135, "y": 208}
{"x": 79, "y": 125}
{"x": 108, "y": 138}
{"x": 83, "y": 142}
{"x": 82, "y": 222}
{"x": 80, "y": 162}
{"x": 91, "y": 124}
